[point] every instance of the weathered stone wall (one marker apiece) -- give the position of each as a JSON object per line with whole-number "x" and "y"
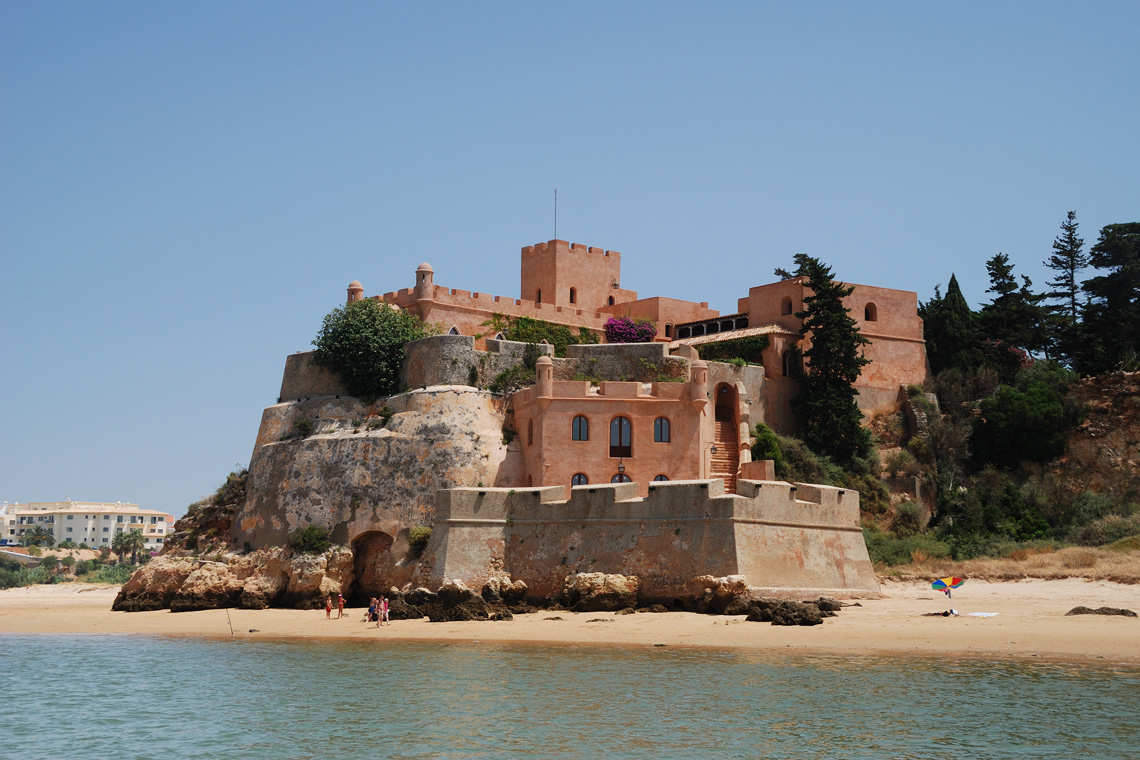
{"x": 630, "y": 362}
{"x": 453, "y": 360}
{"x": 778, "y": 535}
{"x": 304, "y": 379}
{"x": 355, "y": 474}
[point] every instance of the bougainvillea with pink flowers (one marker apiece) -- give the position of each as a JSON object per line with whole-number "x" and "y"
{"x": 626, "y": 330}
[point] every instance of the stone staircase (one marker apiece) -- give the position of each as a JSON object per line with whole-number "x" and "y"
{"x": 725, "y": 460}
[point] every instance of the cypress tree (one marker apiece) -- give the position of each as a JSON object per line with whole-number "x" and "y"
{"x": 950, "y": 329}
{"x": 828, "y": 417}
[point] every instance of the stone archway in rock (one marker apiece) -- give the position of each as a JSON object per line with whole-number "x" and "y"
{"x": 380, "y": 561}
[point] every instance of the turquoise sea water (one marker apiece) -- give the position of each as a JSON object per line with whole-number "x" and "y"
{"x": 137, "y": 697}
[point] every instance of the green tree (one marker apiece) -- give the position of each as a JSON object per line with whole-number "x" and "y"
{"x": 1110, "y": 329}
{"x": 38, "y": 536}
{"x": 1024, "y": 421}
{"x": 950, "y": 329}
{"x": 825, "y": 408}
{"x": 1067, "y": 260}
{"x": 363, "y": 342}
{"x": 1015, "y": 316}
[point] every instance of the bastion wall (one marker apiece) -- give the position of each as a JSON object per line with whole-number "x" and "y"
{"x": 778, "y": 535}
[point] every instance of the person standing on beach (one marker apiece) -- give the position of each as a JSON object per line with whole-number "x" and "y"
{"x": 382, "y": 612}
{"x": 328, "y": 607}
{"x": 339, "y": 606}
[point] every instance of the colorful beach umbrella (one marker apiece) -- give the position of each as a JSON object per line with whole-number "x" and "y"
{"x": 945, "y": 584}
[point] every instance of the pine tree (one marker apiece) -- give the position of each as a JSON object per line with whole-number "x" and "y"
{"x": 828, "y": 417}
{"x": 1014, "y": 323}
{"x": 1110, "y": 326}
{"x": 950, "y": 329}
{"x": 1067, "y": 260}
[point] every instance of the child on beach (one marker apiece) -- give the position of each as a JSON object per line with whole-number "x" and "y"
{"x": 328, "y": 608}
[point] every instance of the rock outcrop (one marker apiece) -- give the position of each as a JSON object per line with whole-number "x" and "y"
{"x": 269, "y": 578}
{"x": 599, "y": 592}
{"x": 1101, "y": 611}
{"x": 369, "y": 472}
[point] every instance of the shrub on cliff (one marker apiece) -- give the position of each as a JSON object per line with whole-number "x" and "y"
{"x": 418, "y": 538}
{"x": 363, "y": 342}
{"x": 626, "y": 330}
{"x": 311, "y": 540}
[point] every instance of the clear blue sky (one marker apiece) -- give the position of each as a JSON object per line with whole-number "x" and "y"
{"x": 187, "y": 188}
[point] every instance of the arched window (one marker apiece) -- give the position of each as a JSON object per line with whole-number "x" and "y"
{"x": 786, "y": 306}
{"x": 611, "y": 301}
{"x": 668, "y": 330}
{"x": 580, "y": 429}
{"x": 660, "y": 478}
{"x": 871, "y": 313}
{"x": 621, "y": 477}
{"x": 529, "y": 432}
{"x": 661, "y": 430}
{"x": 573, "y": 295}
{"x": 453, "y": 331}
{"x": 621, "y": 438}
{"x": 579, "y": 480}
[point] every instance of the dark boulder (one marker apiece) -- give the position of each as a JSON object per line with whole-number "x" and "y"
{"x": 1101, "y": 611}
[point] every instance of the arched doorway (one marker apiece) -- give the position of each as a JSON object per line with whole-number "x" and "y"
{"x": 726, "y": 456}
{"x": 380, "y": 561}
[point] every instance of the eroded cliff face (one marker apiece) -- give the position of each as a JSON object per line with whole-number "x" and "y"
{"x": 369, "y": 472}
{"x": 1103, "y": 452}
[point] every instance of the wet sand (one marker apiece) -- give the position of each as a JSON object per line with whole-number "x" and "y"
{"x": 1030, "y": 623}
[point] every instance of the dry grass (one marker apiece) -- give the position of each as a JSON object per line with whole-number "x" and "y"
{"x": 1101, "y": 563}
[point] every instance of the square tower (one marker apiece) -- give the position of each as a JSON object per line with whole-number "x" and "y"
{"x": 571, "y": 275}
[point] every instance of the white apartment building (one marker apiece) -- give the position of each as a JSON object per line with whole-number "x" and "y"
{"x": 91, "y": 523}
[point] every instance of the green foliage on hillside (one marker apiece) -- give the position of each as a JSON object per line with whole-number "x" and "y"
{"x": 750, "y": 350}
{"x": 310, "y": 540}
{"x": 363, "y": 342}
{"x": 530, "y": 330}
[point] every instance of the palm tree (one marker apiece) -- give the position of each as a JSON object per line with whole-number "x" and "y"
{"x": 133, "y": 542}
{"x": 118, "y": 545}
{"x": 39, "y": 536}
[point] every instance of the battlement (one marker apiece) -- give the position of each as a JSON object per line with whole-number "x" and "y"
{"x": 560, "y": 245}
{"x": 805, "y": 504}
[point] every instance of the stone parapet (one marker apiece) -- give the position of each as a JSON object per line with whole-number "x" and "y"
{"x": 777, "y": 534}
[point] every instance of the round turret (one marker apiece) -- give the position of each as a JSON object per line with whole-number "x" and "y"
{"x": 544, "y": 380}
{"x": 355, "y": 291}
{"x": 425, "y": 281}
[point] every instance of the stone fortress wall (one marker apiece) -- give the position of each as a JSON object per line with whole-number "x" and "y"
{"x": 778, "y": 535}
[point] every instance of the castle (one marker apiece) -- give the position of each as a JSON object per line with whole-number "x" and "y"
{"x": 623, "y": 458}
{"x": 578, "y": 433}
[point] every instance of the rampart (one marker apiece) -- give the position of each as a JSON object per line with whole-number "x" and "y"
{"x": 778, "y": 535}
{"x": 453, "y": 360}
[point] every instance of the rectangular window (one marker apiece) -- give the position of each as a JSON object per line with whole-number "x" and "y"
{"x": 158, "y": 540}
{"x": 71, "y": 517}
{"x": 153, "y": 520}
{"x": 106, "y": 530}
{"x": 106, "y": 517}
{"x": 69, "y": 529}
{"x": 106, "y": 540}
{"x": 119, "y": 519}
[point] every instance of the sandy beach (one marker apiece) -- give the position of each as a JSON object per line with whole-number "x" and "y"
{"x": 1030, "y": 623}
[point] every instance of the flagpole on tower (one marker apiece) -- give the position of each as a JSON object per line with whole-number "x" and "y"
{"x": 556, "y": 213}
